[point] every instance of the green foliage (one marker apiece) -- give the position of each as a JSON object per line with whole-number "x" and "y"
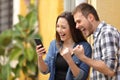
{"x": 5, "y": 72}
{"x": 17, "y": 44}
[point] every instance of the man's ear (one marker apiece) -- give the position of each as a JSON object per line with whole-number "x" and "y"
{"x": 90, "y": 17}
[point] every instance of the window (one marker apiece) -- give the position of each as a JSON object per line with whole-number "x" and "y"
{"x": 70, "y": 4}
{"x": 6, "y": 14}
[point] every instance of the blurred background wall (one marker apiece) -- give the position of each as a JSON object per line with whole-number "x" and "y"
{"x": 108, "y": 11}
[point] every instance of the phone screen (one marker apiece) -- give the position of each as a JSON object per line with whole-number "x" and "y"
{"x": 38, "y": 42}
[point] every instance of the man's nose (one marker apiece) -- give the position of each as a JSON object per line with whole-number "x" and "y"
{"x": 77, "y": 27}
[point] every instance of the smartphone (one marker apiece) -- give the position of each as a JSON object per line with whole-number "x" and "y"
{"x": 38, "y": 41}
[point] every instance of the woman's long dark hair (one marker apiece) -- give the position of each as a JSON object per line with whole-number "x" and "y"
{"x": 76, "y": 33}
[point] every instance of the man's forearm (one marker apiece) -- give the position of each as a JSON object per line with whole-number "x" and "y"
{"x": 98, "y": 65}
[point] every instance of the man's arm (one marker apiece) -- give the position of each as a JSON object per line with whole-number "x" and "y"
{"x": 99, "y": 65}
{"x": 96, "y": 64}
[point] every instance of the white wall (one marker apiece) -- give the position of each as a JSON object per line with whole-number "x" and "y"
{"x": 77, "y": 2}
{"x": 70, "y": 4}
{"x": 16, "y": 10}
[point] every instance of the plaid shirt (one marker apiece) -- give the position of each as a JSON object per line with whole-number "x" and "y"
{"x": 106, "y": 48}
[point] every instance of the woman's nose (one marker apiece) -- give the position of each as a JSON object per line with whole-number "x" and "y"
{"x": 77, "y": 26}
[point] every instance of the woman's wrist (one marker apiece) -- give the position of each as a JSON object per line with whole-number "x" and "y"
{"x": 39, "y": 56}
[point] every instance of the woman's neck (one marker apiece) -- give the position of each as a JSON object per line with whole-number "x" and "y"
{"x": 69, "y": 43}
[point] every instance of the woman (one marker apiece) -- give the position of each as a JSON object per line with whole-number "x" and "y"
{"x": 60, "y": 61}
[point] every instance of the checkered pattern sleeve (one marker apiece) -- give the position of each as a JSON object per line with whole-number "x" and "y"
{"x": 109, "y": 48}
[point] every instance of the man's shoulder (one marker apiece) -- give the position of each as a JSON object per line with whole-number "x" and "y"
{"x": 108, "y": 28}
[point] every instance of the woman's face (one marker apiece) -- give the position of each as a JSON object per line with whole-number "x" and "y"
{"x": 63, "y": 29}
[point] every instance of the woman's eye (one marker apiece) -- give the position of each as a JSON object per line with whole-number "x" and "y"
{"x": 63, "y": 27}
{"x": 57, "y": 26}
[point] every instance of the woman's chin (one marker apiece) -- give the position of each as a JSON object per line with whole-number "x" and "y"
{"x": 62, "y": 39}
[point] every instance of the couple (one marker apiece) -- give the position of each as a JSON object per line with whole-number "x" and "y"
{"x": 69, "y": 56}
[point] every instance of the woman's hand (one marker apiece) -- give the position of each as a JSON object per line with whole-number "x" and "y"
{"x": 40, "y": 50}
{"x": 66, "y": 54}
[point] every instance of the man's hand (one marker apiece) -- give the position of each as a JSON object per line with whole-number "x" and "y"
{"x": 79, "y": 51}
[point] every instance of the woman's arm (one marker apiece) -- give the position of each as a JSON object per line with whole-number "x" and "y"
{"x": 76, "y": 71}
{"x": 41, "y": 64}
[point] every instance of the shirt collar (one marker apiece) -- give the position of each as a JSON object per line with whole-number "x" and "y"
{"x": 98, "y": 29}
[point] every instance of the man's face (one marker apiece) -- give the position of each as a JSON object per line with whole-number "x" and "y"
{"x": 83, "y": 24}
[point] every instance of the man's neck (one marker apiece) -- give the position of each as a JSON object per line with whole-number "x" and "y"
{"x": 95, "y": 25}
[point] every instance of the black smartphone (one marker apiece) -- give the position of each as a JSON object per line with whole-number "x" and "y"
{"x": 38, "y": 41}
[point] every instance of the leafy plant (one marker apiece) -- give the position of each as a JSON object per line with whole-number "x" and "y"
{"x": 17, "y": 48}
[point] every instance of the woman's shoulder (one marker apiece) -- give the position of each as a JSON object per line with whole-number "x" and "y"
{"x": 53, "y": 41}
{"x": 84, "y": 43}
{"x": 87, "y": 48}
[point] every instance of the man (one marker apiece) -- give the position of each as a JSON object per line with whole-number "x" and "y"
{"x": 106, "y": 47}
